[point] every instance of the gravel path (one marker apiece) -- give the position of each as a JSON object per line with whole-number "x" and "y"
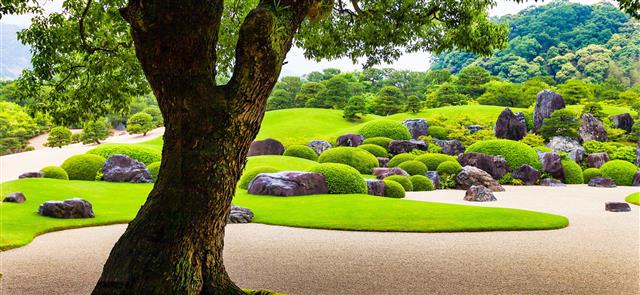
{"x": 597, "y": 254}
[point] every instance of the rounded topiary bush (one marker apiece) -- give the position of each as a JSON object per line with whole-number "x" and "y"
{"x": 374, "y": 149}
{"x": 433, "y": 160}
{"x": 83, "y": 167}
{"x": 438, "y": 132}
{"x": 249, "y": 175}
{"x": 403, "y": 180}
{"x": 55, "y": 172}
{"x": 357, "y": 158}
{"x": 383, "y": 142}
{"x": 413, "y": 167}
{"x": 620, "y": 171}
{"x": 399, "y": 158}
{"x": 589, "y": 173}
{"x": 301, "y": 151}
{"x": 385, "y": 128}
{"x": 421, "y": 183}
{"x": 341, "y": 178}
{"x": 154, "y": 169}
{"x": 393, "y": 189}
{"x": 138, "y": 153}
{"x": 516, "y": 153}
{"x": 449, "y": 168}
{"x": 572, "y": 172}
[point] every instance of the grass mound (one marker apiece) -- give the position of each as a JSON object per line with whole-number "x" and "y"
{"x": 633, "y": 198}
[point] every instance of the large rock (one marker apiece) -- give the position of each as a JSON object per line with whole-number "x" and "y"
{"x": 382, "y": 173}
{"x": 496, "y": 166}
{"x": 319, "y": 146}
{"x": 121, "y": 168}
{"x": 601, "y": 182}
{"x": 417, "y": 127}
{"x": 527, "y": 174}
{"x": 450, "y": 147}
{"x": 34, "y": 174}
{"x": 508, "y": 126}
{"x": 622, "y": 121}
{"x": 382, "y": 161}
{"x": 596, "y": 160}
{"x": 547, "y": 102}
{"x": 71, "y": 208}
{"x": 522, "y": 119}
{"x": 268, "y": 146}
{"x": 239, "y": 215}
{"x": 591, "y": 128}
{"x": 435, "y": 178}
{"x": 617, "y": 207}
{"x": 551, "y": 163}
{"x": 638, "y": 153}
{"x": 474, "y": 128}
{"x": 16, "y": 197}
{"x": 565, "y": 144}
{"x": 405, "y": 146}
{"x": 470, "y": 176}
{"x": 376, "y": 187}
{"x": 479, "y": 193}
{"x": 352, "y": 140}
{"x": 636, "y": 179}
{"x": 288, "y": 183}
{"x": 551, "y": 182}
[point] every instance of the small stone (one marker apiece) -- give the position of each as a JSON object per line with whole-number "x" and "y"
{"x": 239, "y": 215}
{"x": 601, "y": 182}
{"x": 567, "y": 145}
{"x": 288, "y": 183}
{"x": 450, "y": 147}
{"x": 636, "y": 179}
{"x": 435, "y": 178}
{"x": 351, "y": 140}
{"x": 417, "y": 127}
{"x": 71, "y": 208}
{"x": 522, "y": 119}
{"x": 382, "y": 173}
{"x": 591, "y": 128}
{"x": 474, "y": 128}
{"x": 16, "y": 197}
{"x": 375, "y": 187}
{"x": 617, "y": 207}
{"x": 405, "y": 146}
{"x": 34, "y": 174}
{"x": 622, "y": 121}
{"x": 382, "y": 161}
{"x": 552, "y": 164}
{"x": 479, "y": 193}
{"x": 319, "y": 146}
{"x": 268, "y": 146}
{"x": 470, "y": 176}
{"x": 121, "y": 168}
{"x": 551, "y": 182}
{"x": 527, "y": 174}
{"x": 596, "y": 160}
{"x": 496, "y": 166}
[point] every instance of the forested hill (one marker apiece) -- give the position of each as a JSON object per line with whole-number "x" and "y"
{"x": 563, "y": 40}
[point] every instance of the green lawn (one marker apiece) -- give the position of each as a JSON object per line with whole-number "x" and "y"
{"x": 633, "y": 198}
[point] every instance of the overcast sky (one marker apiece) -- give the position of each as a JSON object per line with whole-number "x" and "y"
{"x": 298, "y": 65}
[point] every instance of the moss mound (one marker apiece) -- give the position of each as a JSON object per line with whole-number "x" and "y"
{"x": 382, "y": 142}
{"x": 342, "y": 179}
{"x": 357, "y": 158}
{"x": 433, "y": 160}
{"x": 385, "y": 128}
{"x": 589, "y": 173}
{"x": 516, "y": 153}
{"x": 421, "y": 183}
{"x": 572, "y": 172}
{"x": 55, "y": 172}
{"x": 154, "y": 169}
{"x": 83, "y": 167}
{"x": 402, "y": 180}
{"x": 375, "y": 150}
{"x": 301, "y": 151}
{"x": 413, "y": 167}
{"x": 250, "y": 174}
{"x": 138, "y": 153}
{"x": 393, "y": 189}
{"x": 620, "y": 171}
{"x": 449, "y": 168}
{"x": 399, "y": 158}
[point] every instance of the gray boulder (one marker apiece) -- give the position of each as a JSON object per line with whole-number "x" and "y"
{"x": 527, "y": 174}
{"x": 496, "y": 166}
{"x": 636, "y": 179}
{"x": 522, "y": 119}
{"x": 71, "y": 208}
{"x": 435, "y": 178}
{"x": 617, "y": 207}
{"x": 470, "y": 176}
{"x": 450, "y": 147}
{"x": 34, "y": 174}
{"x": 319, "y": 146}
{"x": 382, "y": 161}
{"x": 268, "y": 146}
{"x": 596, "y": 160}
{"x": 288, "y": 183}
{"x": 508, "y": 126}
{"x": 479, "y": 193}
{"x": 417, "y": 127}
{"x": 601, "y": 182}
{"x": 551, "y": 182}
{"x": 405, "y": 146}
{"x": 239, "y": 215}
{"x": 121, "y": 168}
{"x": 591, "y": 128}
{"x": 351, "y": 140}
{"x": 474, "y": 128}
{"x": 382, "y": 173}
{"x": 375, "y": 187}
{"x": 565, "y": 144}
{"x": 638, "y": 153}
{"x": 547, "y": 102}
{"x": 16, "y": 197}
{"x": 551, "y": 163}
{"x": 622, "y": 121}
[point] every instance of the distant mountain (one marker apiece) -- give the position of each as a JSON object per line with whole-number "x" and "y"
{"x": 14, "y": 57}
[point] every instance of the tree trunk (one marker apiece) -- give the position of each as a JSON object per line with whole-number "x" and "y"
{"x": 174, "y": 245}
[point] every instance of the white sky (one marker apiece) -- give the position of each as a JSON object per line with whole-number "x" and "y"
{"x": 298, "y": 65}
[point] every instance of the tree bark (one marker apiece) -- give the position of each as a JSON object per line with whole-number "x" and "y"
{"x": 174, "y": 245}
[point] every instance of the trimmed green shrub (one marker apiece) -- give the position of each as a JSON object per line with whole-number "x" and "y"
{"x": 138, "y": 153}
{"x": 301, "y": 151}
{"x": 438, "y": 132}
{"x": 249, "y": 175}
{"x": 83, "y": 167}
{"x": 433, "y": 160}
{"x": 55, "y": 172}
{"x": 572, "y": 172}
{"x": 379, "y": 141}
{"x": 562, "y": 122}
{"x": 342, "y": 179}
{"x": 385, "y": 128}
{"x": 533, "y": 140}
{"x": 140, "y": 123}
{"x": 516, "y": 153}
{"x": 589, "y": 173}
{"x": 620, "y": 171}
{"x": 399, "y": 158}
{"x": 449, "y": 168}
{"x": 59, "y": 137}
{"x": 154, "y": 169}
{"x": 402, "y": 180}
{"x": 421, "y": 183}
{"x": 374, "y": 149}
{"x": 393, "y": 189}
{"x": 413, "y": 167}
{"x": 357, "y": 158}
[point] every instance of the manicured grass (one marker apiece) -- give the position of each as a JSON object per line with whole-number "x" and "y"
{"x": 633, "y": 198}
